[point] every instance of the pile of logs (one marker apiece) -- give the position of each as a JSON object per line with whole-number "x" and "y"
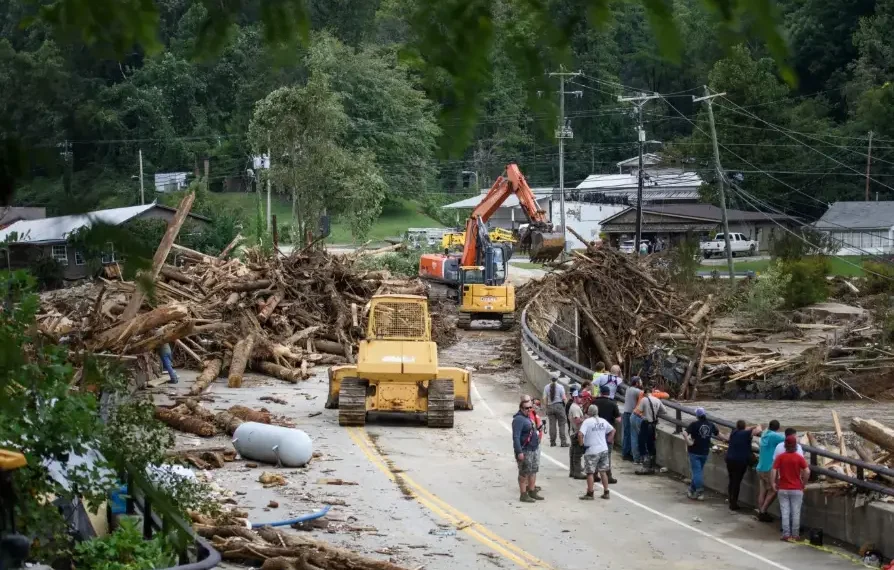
{"x": 191, "y": 417}
{"x": 277, "y": 315}
{"x": 277, "y": 550}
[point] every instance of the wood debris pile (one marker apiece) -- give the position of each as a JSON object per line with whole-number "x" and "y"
{"x": 278, "y": 316}
{"x": 276, "y": 550}
{"x": 622, "y": 305}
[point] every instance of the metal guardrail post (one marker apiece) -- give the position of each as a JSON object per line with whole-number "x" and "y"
{"x": 860, "y": 474}
{"x": 679, "y": 427}
{"x": 814, "y": 462}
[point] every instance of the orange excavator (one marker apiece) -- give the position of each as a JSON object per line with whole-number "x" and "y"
{"x": 476, "y": 279}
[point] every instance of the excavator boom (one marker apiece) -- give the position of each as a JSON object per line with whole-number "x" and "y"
{"x": 538, "y": 239}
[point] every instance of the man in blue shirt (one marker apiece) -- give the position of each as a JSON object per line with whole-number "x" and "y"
{"x": 769, "y": 440}
{"x": 698, "y": 436}
{"x": 525, "y": 443}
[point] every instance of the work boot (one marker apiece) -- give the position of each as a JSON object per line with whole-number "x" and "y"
{"x": 604, "y": 495}
{"x": 611, "y": 480}
{"x": 525, "y": 498}
{"x": 646, "y": 468}
{"x": 565, "y": 444}
{"x": 535, "y": 494}
{"x": 587, "y": 497}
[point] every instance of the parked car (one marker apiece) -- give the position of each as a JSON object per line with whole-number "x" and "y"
{"x": 628, "y": 247}
{"x": 738, "y": 244}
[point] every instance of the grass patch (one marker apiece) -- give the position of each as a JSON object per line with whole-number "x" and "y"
{"x": 396, "y": 217}
{"x": 526, "y": 264}
{"x": 838, "y": 266}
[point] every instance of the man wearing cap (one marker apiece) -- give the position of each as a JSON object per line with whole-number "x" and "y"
{"x": 596, "y": 435}
{"x": 612, "y": 379}
{"x": 575, "y": 419}
{"x": 698, "y": 437}
{"x": 554, "y": 396}
{"x": 629, "y": 446}
{"x": 525, "y": 445}
{"x": 790, "y": 474}
{"x": 609, "y": 411}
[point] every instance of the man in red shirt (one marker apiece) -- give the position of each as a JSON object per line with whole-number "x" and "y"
{"x": 790, "y": 473}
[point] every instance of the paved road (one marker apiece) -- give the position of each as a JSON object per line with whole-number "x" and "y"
{"x": 446, "y": 499}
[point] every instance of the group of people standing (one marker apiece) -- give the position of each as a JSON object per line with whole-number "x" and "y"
{"x": 583, "y": 418}
{"x": 781, "y": 467}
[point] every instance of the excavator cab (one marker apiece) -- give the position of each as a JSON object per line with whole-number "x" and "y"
{"x": 484, "y": 293}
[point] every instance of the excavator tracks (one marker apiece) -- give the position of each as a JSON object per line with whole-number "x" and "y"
{"x": 507, "y": 321}
{"x": 464, "y": 321}
{"x": 440, "y": 403}
{"x": 352, "y": 402}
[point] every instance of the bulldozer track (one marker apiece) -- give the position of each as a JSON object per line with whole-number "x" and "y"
{"x": 464, "y": 321}
{"x": 440, "y": 403}
{"x": 352, "y": 402}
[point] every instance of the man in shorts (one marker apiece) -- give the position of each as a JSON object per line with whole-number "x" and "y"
{"x": 526, "y": 444}
{"x": 596, "y": 435}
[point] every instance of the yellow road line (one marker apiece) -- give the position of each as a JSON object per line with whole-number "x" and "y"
{"x": 463, "y": 522}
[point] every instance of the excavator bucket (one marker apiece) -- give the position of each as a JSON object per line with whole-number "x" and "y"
{"x": 545, "y": 246}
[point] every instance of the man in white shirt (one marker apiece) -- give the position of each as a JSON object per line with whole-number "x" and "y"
{"x": 780, "y": 449}
{"x": 596, "y": 435}
{"x": 612, "y": 380}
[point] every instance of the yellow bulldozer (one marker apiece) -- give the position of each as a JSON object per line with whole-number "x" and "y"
{"x": 397, "y": 369}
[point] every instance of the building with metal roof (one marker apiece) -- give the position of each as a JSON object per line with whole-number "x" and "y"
{"x": 30, "y": 240}
{"x": 860, "y": 227}
{"x": 658, "y": 187}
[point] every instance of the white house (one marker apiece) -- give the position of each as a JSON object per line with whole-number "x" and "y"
{"x": 170, "y": 181}
{"x": 510, "y": 214}
{"x": 860, "y": 227}
{"x": 585, "y": 218}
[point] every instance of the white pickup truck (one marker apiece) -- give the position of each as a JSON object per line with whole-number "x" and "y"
{"x": 738, "y": 244}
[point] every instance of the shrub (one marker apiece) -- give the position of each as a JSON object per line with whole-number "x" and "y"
{"x": 761, "y": 307}
{"x": 404, "y": 263}
{"x": 124, "y": 549}
{"x": 879, "y": 277}
{"x": 685, "y": 261}
{"x": 801, "y": 243}
{"x": 807, "y": 283}
{"x": 48, "y": 273}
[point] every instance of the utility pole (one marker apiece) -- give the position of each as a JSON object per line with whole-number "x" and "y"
{"x": 721, "y": 180}
{"x": 563, "y": 132}
{"x": 142, "y": 193}
{"x": 868, "y": 165}
{"x": 269, "y": 216}
{"x": 638, "y": 102}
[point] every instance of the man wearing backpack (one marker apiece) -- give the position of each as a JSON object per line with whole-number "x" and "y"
{"x": 526, "y": 444}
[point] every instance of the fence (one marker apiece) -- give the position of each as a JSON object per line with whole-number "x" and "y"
{"x": 578, "y": 372}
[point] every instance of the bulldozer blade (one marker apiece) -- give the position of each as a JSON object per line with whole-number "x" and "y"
{"x": 546, "y": 246}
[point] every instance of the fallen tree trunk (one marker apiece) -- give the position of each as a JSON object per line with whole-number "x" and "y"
{"x": 250, "y": 285}
{"x": 227, "y": 422}
{"x": 277, "y": 371}
{"x": 174, "y": 274}
{"x": 166, "y": 335}
{"x": 225, "y": 531}
{"x": 323, "y": 554}
{"x": 329, "y": 347}
{"x": 209, "y": 374}
{"x": 161, "y": 254}
{"x": 184, "y": 423}
{"x": 728, "y": 337}
{"x": 142, "y": 324}
{"x": 230, "y": 246}
{"x": 249, "y": 415}
{"x": 241, "y": 354}
{"x": 596, "y": 334}
{"x": 269, "y": 307}
{"x": 874, "y": 431}
{"x": 702, "y": 312}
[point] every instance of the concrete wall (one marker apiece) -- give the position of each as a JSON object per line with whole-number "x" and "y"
{"x": 838, "y": 516}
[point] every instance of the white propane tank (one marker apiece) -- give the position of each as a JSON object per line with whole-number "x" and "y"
{"x": 273, "y": 444}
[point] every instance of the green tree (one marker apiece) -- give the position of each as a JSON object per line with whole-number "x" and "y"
{"x": 385, "y": 112}
{"x": 304, "y": 129}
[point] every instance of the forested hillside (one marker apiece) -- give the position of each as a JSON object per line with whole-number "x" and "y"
{"x": 361, "y": 111}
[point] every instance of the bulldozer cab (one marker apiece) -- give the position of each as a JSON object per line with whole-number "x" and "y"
{"x": 399, "y": 317}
